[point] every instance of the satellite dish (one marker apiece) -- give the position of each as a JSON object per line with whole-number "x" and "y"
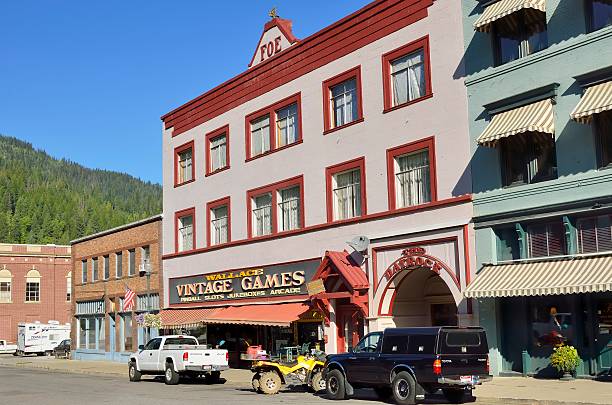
{"x": 360, "y": 244}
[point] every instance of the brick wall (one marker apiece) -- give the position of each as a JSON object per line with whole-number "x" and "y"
{"x": 53, "y": 264}
{"x": 111, "y": 290}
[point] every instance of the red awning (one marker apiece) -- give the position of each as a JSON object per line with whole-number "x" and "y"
{"x": 176, "y": 318}
{"x": 266, "y": 314}
{"x": 348, "y": 269}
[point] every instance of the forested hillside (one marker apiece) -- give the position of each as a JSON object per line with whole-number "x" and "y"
{"x": 46, "y": 200}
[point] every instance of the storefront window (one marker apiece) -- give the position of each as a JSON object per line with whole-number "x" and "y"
{"x": 550, "y": 326}
{"x": 101, "y": 326}
{"x": 91, "y": 334}
{"x": 82, "y": 333}
{"x": 127, "y": 332}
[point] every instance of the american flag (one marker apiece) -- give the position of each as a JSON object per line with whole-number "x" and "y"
{"x": 128, "y": 300}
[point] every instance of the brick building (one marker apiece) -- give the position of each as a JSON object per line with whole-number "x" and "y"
{"x": 35, "y": 285}
{"x": 105, "y": 265}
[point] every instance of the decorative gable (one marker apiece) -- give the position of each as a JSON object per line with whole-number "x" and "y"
{"x": 276, "y": 37}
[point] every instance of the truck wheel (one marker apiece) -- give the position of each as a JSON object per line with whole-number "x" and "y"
{"x": 255, "y": 382}
{"x": 335, "y": 385}
{"x": 317, "y": 383}
{"x": 270, "y": 383}
{"x": 383, "y": 393}
{"x": 403, "y": 388}
{"x": 455, "y": 396}
{"x": 213, "y": 377}
{"x": 171, "y": 377}
{"x": 134, "y": 373}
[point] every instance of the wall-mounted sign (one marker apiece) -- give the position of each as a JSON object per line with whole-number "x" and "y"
{"x": 261, "y": 282}
{"x": 414, "y": 258}
{"x": 316, "y": 287}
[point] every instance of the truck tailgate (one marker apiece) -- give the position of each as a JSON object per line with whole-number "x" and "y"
{"x": 455, "y": 366}
{"x": 213, "y": 357}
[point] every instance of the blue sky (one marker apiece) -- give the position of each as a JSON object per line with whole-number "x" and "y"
{"x": 88, "y": 80}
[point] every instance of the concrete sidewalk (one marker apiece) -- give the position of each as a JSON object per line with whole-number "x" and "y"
{"x": 502, "y": 390}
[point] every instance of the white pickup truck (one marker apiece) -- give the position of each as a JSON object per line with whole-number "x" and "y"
{"x": 6, "y": 348}
{"x": 173, "y": 356}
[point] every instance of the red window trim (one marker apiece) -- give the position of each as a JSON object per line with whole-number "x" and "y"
{"x": 331, "y": 82}
{"x": 427, "y": 143}
{"x": 178, "y": 150}
{"x": 216, "y": 204}
{"x": 358, "y": 163}
{"x": 273, "y": 189}
{"x": 212, "y": 135}
{"x": 387, "y": 58}
{"x": 270, "y": 111}
{"x": 180, "y": 214}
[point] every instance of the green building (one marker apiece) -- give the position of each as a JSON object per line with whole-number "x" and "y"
{"x": 539, "y": 81}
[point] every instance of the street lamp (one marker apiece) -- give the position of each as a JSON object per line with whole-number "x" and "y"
{"x": 145, "y": 270}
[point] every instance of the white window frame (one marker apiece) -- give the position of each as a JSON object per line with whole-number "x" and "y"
{"x": 185, "y": 165}
{"x": 287, "y": 123}
{"x": 344, "y": 95}
{"x": 353, "y": 191}
{"x": 257, "y": 129}
{"x": 219, "y": 224}
{"x": 409, "y": 70}
{"x": 185, "y": 234}
{"x": 290, "y": 205}
{"x": 404, "y": 194}
{"x": 258, "y": 215}
{"x": 218, "y": 151}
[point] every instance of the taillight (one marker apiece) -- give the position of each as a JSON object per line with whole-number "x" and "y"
{"x": 226, "y": 356}
{"x": 488, "y": 365}
{"x": 437, "y": 367}
{"x": 185, "y": 356}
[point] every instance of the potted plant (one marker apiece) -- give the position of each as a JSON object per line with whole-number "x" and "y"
{"x": 565, "y": 359}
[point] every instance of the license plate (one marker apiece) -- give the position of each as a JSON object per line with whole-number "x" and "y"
{"x": 206, "y": 367}
{"x": 467, "y": 379}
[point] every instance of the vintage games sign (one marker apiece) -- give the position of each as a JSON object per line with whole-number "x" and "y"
{"x": 260, "y": 282}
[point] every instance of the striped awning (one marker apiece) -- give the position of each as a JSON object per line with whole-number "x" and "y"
{"x": 546, "y": 277}
{"x": 504, "y": 8}
{"x": 596, "y": 99}
{"x": 535, "y": 117}
{"x": 186, "y": 318}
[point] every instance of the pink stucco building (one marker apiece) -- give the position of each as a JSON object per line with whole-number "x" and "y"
{"x": 357, "y": 130}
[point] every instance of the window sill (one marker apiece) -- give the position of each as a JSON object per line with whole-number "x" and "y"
{"x": 184, "y": 183}
{"x": 330, "y": 130}
{"x": 6, "y": 302}
{"x": 409, "y": 103}
{"x": 217, "y": 171}
{"x": 347, "y": 220}
{"x": 31, "y": 302}
{"x": 299, "y": 141}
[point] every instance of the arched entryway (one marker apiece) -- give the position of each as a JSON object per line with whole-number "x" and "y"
{"x": 422, "y": 298}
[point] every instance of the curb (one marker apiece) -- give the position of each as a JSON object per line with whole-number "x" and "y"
{"x": 526, "y": 401}
{"x": 31, "y": 366}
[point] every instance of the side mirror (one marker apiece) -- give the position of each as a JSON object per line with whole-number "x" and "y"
{"x": 141, "y": 347}
{"x": 350, "y": 349}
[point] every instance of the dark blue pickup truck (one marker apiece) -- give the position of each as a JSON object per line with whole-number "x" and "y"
{"x": 407, "y": 363}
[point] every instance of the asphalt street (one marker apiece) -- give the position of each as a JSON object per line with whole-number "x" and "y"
{"x": 36, "y": 387}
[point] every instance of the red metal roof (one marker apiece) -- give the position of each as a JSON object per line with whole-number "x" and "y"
{"x": 349, "y": 270}
{"x": 265, "y": 314}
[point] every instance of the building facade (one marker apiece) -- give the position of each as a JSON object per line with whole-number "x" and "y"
{"x": 108, "y": 267}
{"x": 538, "y": 76}
{"x": 357, "y": 130}
{"x": 35, "y": 286}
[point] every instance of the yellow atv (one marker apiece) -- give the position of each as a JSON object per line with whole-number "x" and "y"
{"x": 306, "y": 370}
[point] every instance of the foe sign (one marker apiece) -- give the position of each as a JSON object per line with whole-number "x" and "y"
{"x": 270, "y": 49}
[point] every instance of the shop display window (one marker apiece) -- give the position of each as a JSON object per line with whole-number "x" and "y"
{"x": 551, "y": 326}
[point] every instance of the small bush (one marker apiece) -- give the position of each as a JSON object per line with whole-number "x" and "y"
{"x": 565, "y": 358}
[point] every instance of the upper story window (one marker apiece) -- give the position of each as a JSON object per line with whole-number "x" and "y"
{"x": 184, "y": 164}
{"x": 546, "y": 240}
{"x": 83, "y": 271}
{"x": 274, "y": 127}
{"x": 145, "y": 254}
{"x": 219, "y": 224}
{"x": 406, "y": 74}
{"x": 594, "y": 234}
{"x": 6, "y": 281}
{"x": 603, "y": 129}
{"x": 600, "y": 12}
{"x": 106, "y": 262}
{"x": 185, "y": 234}
{"x": 411, "y": 172}
{"x": 262, "y": 214}
{"x": 119, "y": 264}
{"x": 276, "y": 208}
{"x": 32, "y": 292}
{"x": 94, "y": 270}
{"x": 346, "y": 190}
{"x": 518, "y": 28}
{"x": 131, "y": 262}
{"x": 528, "y": 158}
{"x": 69, "y": 286}
{"x": 217, "y": 150}
{"x": 342, "y": 98}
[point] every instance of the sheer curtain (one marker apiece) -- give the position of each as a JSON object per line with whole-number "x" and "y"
{"x": 186, "y": 232}
{"x": 262, "y": 215}
{"x": 413, "y": 182}
{"x": 408, "y": 78}
{"x": 286, "y": 124}
{"x": 290, "y": 208}
{"x": 185, "y": 166}
{"x": 218, "y": 149}
{"x": 347, "y": 195}
{"x": 260, "y": 136}
{"x": 344, "y": 102}
{"x": 219, "y": 225}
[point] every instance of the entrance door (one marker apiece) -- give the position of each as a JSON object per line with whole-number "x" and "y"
{"x": 113, "y": 336}
{"x": 350, "y": 328}
{"x": 604, "y": 335}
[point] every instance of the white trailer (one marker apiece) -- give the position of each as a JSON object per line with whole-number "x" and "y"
{"x": 40, "y": 338}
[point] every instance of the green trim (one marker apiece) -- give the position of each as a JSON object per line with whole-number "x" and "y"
{"x": 522, "y": 237}
{"x": 570, "y": 235}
